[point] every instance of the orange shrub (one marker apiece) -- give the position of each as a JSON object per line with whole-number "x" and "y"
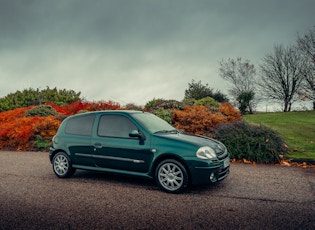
{"x": 18, "y": 132}
{"x": 230, "y": 113}
{"x": 199, "y": 120}
{"x": 78, "y": 106}
{"x": 59, "y": 109}
{"x": 10, "y": 115}
{"x": 47, "y": 127}
{"x": 102, "y": 105}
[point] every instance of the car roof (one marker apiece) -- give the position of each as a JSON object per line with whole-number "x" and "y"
{"x": 109, "y": 112}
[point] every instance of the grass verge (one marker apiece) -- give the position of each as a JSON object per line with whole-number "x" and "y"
{"x": 296, "y": 128}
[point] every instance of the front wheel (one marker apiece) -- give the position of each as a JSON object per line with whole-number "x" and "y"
{"x": 171, "y": 176}
{"x": 62, "y": 165}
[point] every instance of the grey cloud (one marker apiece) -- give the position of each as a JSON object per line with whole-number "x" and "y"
{"x": 84, "y": 44}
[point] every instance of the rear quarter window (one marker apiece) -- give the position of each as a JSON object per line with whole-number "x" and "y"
{"x": 82, "y": 125}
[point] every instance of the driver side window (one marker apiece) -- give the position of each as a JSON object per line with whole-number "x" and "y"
{"x": 115, "y": 126}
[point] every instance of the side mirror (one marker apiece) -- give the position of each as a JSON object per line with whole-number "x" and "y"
{"x": 136, "y": 133}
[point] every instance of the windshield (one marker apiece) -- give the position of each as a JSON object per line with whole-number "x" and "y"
{"x": 153, "y": 123}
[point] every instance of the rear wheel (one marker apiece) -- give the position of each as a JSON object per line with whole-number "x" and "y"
{"x": 62, "y": 165}
{"x": 171, "y": 176}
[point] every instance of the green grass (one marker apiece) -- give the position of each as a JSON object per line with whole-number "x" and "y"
{"x": 296, "y": 128}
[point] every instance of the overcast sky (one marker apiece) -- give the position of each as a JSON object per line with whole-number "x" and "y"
{"x": 131, "y": 51}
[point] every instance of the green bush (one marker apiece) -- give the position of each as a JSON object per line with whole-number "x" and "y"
{"x": 163, "y": 108}
{"x": 162, "y": 104}
{"x": 42, "y": 111}
{"x": 254, "y": 143}
{"x": 209, "y": 102}
{"x": 41, "y": 143}
{"x": 31, "y": 96}
{"x": 165, "y": 114}
{"x": 188, "y": 102}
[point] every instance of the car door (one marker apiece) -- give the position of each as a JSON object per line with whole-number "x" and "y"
{"x": 115, "y": 149}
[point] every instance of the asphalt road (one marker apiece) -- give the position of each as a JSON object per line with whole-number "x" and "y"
{"x": 252, "y": 197}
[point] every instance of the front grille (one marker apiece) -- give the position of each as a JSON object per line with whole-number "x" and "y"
{"x": 224, "y": 172}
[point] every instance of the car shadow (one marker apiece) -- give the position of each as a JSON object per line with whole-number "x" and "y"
{"x": 133, "y": 181}
{"x": 209, "y": 188}
{"x": 112, "y": 178}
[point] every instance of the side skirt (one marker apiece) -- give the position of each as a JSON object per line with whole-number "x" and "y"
{"x": 116, "y": 171}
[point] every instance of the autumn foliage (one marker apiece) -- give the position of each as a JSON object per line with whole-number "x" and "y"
{"x": 78, "y": 106}
{"x": 21, "y": 132}
{"x": 32, "y": 127}
{"x": 200, "y": 120}
{"x": 18, "y": 131}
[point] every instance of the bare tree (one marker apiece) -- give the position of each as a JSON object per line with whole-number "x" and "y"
{"x": 242, "y": 76}
{"x": 306, "y": 45}
{"x": 282, "y": 74}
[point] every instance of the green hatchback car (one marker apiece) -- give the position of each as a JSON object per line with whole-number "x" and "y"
{"x": 139, "y": 144}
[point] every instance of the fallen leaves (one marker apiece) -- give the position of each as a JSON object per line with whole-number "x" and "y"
{"x": 283, "y": 162}
{"x": 303, "y": 165}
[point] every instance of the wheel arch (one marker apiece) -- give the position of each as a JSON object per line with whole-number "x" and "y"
{"x": 53, "y": 153}
{"x": 173, "y": 157}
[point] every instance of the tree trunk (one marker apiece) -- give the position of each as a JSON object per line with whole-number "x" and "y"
{"x": 286, "y": 106}
{"x": 250, "y": 109}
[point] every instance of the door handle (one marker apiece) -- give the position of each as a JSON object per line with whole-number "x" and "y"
{"x": 98, "y": 145}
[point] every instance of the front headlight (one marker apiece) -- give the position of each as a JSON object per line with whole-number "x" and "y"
{"x": 206, "y": 153}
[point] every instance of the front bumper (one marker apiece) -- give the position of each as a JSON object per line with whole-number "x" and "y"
{"x": 211, "y": 173}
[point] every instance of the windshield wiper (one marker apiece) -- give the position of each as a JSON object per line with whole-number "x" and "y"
{"x": 175, "y": 131}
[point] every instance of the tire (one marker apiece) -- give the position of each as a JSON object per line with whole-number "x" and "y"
{"x": 171, "y": 176}
{"x": 62, "y": 165}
